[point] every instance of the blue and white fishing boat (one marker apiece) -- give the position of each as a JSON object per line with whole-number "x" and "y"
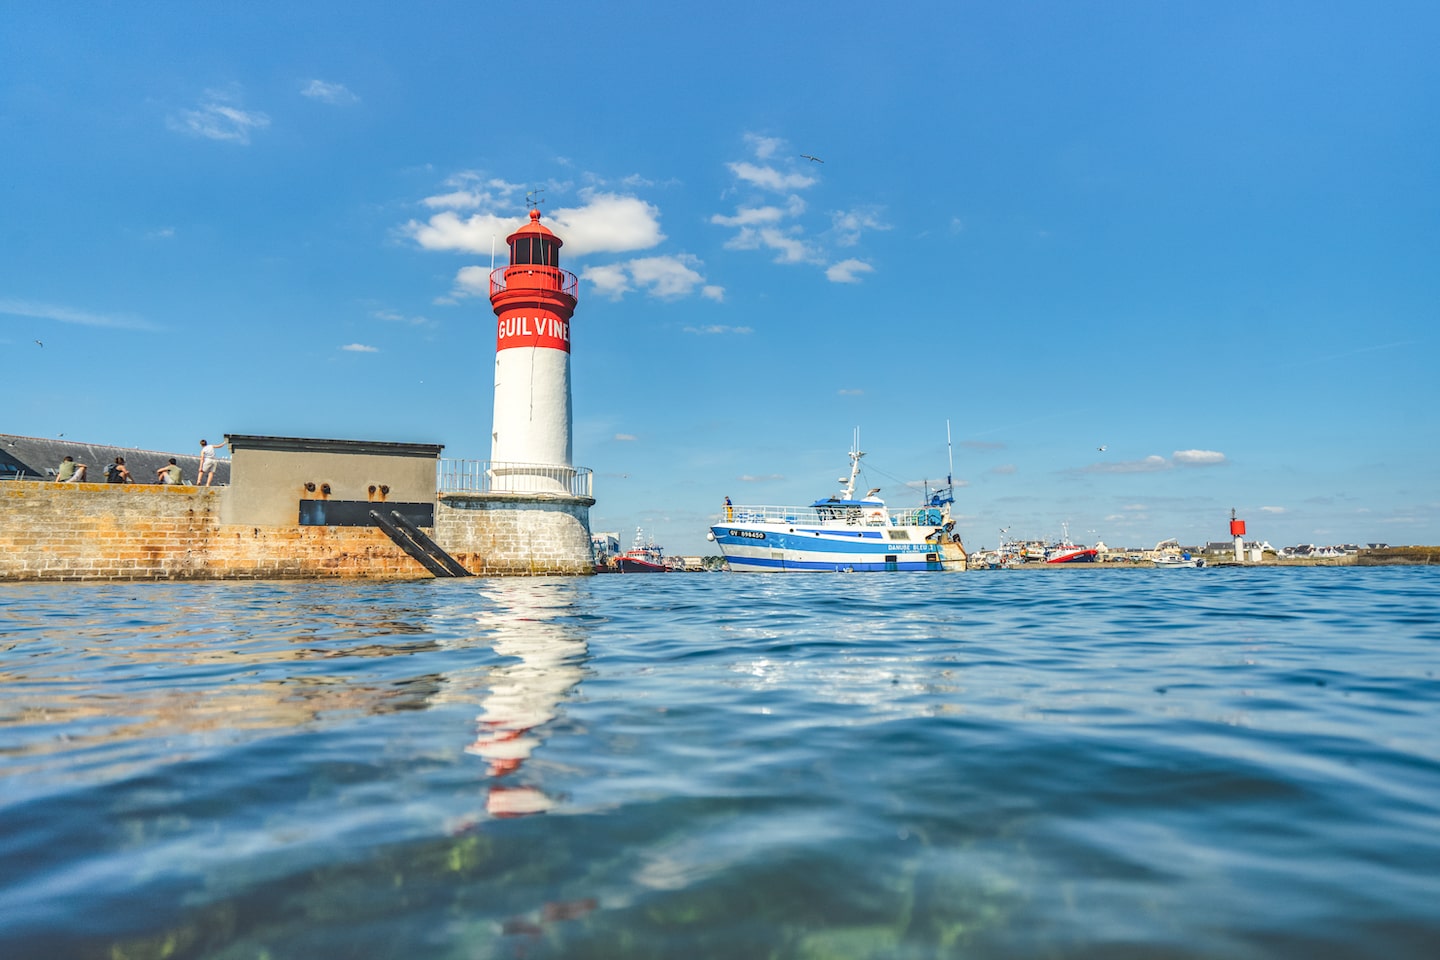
{"x": 842, "y": 533}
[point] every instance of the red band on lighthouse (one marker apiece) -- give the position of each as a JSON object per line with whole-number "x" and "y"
{"x": 517, "y": 330}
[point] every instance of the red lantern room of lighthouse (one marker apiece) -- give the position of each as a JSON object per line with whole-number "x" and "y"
{"x": 533, "y": 299}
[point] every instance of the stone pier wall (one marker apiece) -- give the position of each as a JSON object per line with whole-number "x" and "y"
{"x": 101, "y": 531}
{"x": 509, "y": 534}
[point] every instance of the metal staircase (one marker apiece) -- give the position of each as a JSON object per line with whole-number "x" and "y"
{"x": 413, "y": 541}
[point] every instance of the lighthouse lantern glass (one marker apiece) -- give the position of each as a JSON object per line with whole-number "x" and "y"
{"x": 534, "y": 250}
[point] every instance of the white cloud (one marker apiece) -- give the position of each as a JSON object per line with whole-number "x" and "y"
{"x": 712, "y": 292}
{"x": 754, "y": 216}
{"x": 668, "y": 278}
{"x": 1155, "y": 463}
{"x": 1004, "y": 469}
{"x": 1272, "y": 510}
{"x": 718, "y": 329}
{"x": 789, "y": 247}
{"x": 218, "y": 118}
{"x": 336, "y": 93}
{"x": 455, "y": 200}
{"x": 474, "y": 192}
{"x": 844, "y": 392}
{"x": 472, "y": 282}
{"x": 1150, "y": 464}
{"x": 764, "y": 147}
{"x": 847, "y": 224}
{"x": 848, "y": 271}
{"x": 47, "y": 311}
{"x": 360, "y": 348}
{"x": 610, "y": 281}
{"x": 475, "y": 234}
{"x": 607, "y": 223}
{"x": 1198, "y": 458}
{"x": 765, "y": 479}
{"x": 392, "y": 316}
{"x": 768, "y": 178}
{"x": 625, "y": 436}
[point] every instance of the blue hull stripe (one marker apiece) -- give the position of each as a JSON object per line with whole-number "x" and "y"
{"x": 747, "y": 564}
{"x": 776, "y": 549}
{"x": 824, "y": 544}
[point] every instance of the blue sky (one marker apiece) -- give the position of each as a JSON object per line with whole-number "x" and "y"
{"x": 1205, "y": 237}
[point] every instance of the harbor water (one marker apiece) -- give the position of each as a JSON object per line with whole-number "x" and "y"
{"x": 1229, "y": 763}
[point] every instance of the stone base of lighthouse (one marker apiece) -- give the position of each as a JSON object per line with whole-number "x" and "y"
{"x": 516, "y": 534}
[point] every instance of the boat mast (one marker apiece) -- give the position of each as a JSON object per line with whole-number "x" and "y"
{"x": 950, "y": 476}
{"x": 848, "y": 491}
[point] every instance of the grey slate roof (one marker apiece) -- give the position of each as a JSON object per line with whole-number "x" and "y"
{"x": 33, "y": 458}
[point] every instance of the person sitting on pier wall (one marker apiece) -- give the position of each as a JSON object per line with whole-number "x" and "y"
{"x": 117, "y": 472}
{"x": 170, "y": 473}
{"x": 70, "y": 471}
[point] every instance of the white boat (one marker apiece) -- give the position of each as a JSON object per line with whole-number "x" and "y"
{"x": 1169, "y": 556}
{"x": 842, "y": 533}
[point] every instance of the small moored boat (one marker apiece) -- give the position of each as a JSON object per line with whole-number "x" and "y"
{"x": 1067, "y": 552}
{"x": 1168, "y": 555}
{"x": 642, "y": 557}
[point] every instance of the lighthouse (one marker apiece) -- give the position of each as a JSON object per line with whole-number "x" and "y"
{"x": 525, "y": 511}
{"x": 533, "y": 299}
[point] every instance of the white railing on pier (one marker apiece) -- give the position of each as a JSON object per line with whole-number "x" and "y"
{"x": 498, "y": 476}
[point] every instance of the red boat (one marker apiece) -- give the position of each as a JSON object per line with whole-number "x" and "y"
{"x": 642, "y": 557}
{"x": 1071, "y": 553}
{"x": 1067, "y": 552}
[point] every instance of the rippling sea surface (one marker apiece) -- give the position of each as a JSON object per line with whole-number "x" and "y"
{"x": 1206, "y": 763}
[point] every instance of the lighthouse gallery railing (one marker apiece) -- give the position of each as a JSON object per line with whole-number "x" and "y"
{"x": 538, "y": 277}
{"x": 495, "y": 476}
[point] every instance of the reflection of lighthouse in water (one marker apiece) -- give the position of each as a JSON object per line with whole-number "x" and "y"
{"x": 525, "y": 696}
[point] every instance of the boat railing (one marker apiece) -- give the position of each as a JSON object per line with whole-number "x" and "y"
{"x": 498, "y": 476}
{"x": 769, "y": 514}
{"x": 919, "y": 516}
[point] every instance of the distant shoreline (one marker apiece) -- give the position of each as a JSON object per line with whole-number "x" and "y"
{"x": 1387, "y": 557}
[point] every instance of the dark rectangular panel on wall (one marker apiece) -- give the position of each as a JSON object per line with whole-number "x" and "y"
{"x": 356, "y": 513}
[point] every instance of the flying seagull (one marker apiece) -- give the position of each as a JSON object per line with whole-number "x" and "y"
{"x": 39, "y": 344}
{"x": 806, "y": 156}
{"x": 1101, "y": 448}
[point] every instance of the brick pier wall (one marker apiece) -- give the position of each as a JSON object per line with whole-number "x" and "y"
{"x": 516, "y": 534}
{"x": 101, "y": 531}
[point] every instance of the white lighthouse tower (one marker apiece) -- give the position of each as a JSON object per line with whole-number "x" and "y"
{"x": 526, "y": 511}
{"x": 533, "y": 299}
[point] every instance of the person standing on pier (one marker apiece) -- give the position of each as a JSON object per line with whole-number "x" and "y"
{"x": 207, "y": 461}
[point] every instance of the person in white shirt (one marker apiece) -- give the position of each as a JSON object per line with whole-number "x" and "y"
{"x": 207, "y": 460}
